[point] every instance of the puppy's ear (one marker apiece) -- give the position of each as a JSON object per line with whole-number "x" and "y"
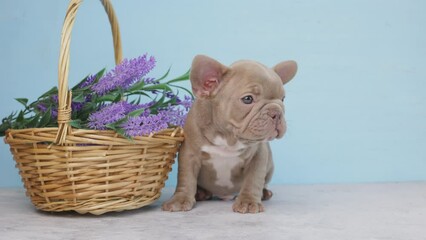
{"x": 286, "y": 70}
{"x": 206, "y": 74}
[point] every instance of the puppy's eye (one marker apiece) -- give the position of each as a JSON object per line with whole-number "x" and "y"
{"x": 283, "y": 99}
{"x": 247, "y": 99}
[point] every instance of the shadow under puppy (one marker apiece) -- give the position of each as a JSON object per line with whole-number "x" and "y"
{"x": 237, "y": 110}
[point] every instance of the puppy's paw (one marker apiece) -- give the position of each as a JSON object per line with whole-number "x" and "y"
{"x": 243, "y": 206}
{"x": 202, "y": 194}
{"x": 266, "y": 194}
{"x": 179, "y": 202}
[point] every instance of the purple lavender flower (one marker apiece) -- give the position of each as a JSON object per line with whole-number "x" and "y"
{"x": 142, "y": 105}
{"x": 125, "y": 74}
{"x": 151, "y": 81}
{"x": 109, "y": 114}
{"x": 170, "y": 94}
{"x": 174, "y": 116}
{"x": 89, "y": 81}
{"x": 76, "y": 106}
{"x": 114, "y": 112}
{"x": 144, "y": 125}
{"x": 187, "y": 102}
{"x": 55, "y": 99}
{"x": 88, "y": 98}
{"x": 41, "y": 107}
{"x": 54, "y": 113}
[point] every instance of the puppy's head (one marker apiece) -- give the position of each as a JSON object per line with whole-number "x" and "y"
{"x": 247, "y": 97}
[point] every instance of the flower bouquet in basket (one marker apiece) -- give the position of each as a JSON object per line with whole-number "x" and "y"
{"x": 126, "y": 130}
{"x": 123, "y": 100}
{"x": 106, "y": 144}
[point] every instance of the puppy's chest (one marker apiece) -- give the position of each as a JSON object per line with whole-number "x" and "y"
{"x": 225, "y": 162}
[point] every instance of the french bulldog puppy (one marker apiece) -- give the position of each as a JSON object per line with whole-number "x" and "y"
{"x": 237, "y": 110}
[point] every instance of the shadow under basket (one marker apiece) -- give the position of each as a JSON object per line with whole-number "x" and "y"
{"x": 94, "y": 171}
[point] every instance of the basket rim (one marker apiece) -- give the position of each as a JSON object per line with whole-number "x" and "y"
{"x": 170, "y": 132}
{"x": 81, "y": 130}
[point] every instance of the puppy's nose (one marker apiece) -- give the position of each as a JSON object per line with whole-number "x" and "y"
{"x": 274, "y": 115}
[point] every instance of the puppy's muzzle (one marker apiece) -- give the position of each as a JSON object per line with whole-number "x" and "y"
{"x": 277, "y": 127}
{"x": 268, "y": 124}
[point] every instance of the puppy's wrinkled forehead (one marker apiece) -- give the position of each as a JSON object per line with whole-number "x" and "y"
{"x": 245, "y": 73}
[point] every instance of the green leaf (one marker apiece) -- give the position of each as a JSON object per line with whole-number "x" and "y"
{"x": 20, "y": 117}
{"x": 183, "y": 77}
{"x": 161, "y": 86}
{"x": 33, "y": 122}
{"x": 186, "y": 90}
{"x": 79, "y": 98}
{"x": 19, "y": 122}
{"x": 76, "y": 123}
{"x": 137, "y": 86}
{"x": 138, "y": 93}
{"x": 100, "y": 74}
{"x": 23, "y": 101}
{"x": 78, "y": 91}
{"x": 52, "y": 91}
{"x": 165, "y": 75}
{"x": 79, "y": 83}
{"x": 136, "y": 101}
{"x": 4, "y": 126}
{"x": 136, "y": 113}
{"x": 158, "y": 103}
{"x": 111, "y": 126}
{"x": 107, "y": 98}
{"x": 89, "y": 107}
{"x": 45, "y": 119}
{"x": 115, "y": 125}
{"x": 118, "y": 98}
{"x": 121, "y": 121}
{"x": 122, "y": 132}
{"x": 118, "y": 130}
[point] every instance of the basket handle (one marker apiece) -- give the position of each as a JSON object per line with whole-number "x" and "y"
{"x": 64, "y": 95}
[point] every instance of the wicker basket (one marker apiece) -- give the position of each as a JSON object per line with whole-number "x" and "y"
{"x": 90, "y": 171}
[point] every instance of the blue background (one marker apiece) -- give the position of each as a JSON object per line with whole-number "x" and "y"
{"x": 356, "y": 110}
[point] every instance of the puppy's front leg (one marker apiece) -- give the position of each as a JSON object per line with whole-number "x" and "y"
{"x": 249, "y": 199}
{"x": 184, "y": 197}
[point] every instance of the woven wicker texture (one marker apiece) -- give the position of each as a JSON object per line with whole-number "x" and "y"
{"x": 90, "y": 171}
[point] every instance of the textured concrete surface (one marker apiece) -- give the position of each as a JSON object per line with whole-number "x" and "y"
{"x": 326, "y": 212}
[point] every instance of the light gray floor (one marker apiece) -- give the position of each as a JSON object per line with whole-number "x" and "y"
{"x": 326, "y": 212}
